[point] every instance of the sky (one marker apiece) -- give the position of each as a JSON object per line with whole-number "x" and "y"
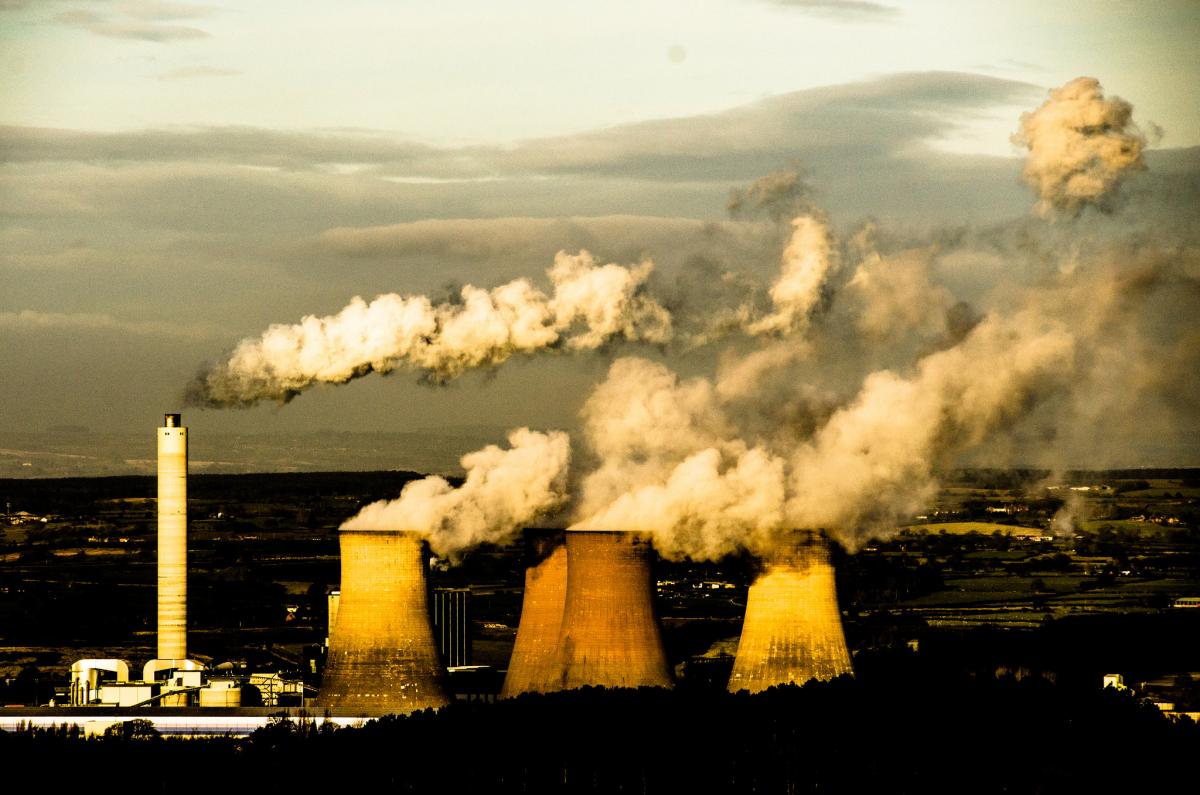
{"x": 175, "y": 177}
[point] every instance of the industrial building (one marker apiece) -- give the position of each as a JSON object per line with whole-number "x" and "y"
{"x": 451, "y": 609}
{"x": 588, "y": 618}
{"x": 172, "y": 679}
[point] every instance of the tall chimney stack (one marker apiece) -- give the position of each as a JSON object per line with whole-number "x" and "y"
{"x": 172, "y": 539}
{"x": 382, "y": 655}
{"x": 610, "y": 635}
{"x": 534, "y": 666}
{"x": 793, "y": 630}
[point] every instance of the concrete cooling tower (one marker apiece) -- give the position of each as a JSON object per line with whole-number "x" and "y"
{"x": 793, "y": 630}
{"x": 534, "y": 665}
{"x": 382, "y": 656}
{"x": 172, "y": 539}
{"x": 610, "y": 635}
{"x": 588, "y": 617}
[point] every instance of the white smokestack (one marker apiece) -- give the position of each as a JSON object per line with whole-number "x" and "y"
{"x": 172, "y": 539}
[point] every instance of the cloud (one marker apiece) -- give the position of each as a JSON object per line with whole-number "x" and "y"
{"x": 157, "y": 10}
{"x": 143, "y": 20}
{"x": 856, "y": 125}
{"x": 28, "y": 320}
{"x": 842, "y": 9}
{"x": 127, "y": 29}
{"x": 187, "y": 73}
{"x": 532, "y": 237}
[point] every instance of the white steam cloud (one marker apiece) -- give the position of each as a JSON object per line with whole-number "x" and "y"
{"x": 832, "y": 407}
{"x": 808, "y": 261}
{"x": 1081, "y": 146}
{"x": 503, "y": 491}
{"x": 672, "y": 466}
{"x": 591, "y": 305}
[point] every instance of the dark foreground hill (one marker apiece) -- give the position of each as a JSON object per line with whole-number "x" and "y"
{"x": 890, "y": 730}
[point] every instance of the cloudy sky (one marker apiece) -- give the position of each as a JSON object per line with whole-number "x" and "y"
{"x": 175, "y": 177}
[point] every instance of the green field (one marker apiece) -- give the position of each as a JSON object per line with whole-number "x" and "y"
{"x": 982, "y": 528}
{"x": 1125, "y": 526}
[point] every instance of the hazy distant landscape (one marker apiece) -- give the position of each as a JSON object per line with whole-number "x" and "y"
{"x": 79, "y": 452}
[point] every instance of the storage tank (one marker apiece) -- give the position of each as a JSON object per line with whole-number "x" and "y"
{"x": 793, "y": 629}
{"x": 221, "y": 693}
{"x": 534, "y": 666}
{"x": 382, "y": 656}
{"x": 610, "y": 634}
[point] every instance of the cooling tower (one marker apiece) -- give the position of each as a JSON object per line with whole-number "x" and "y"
{"x": 610, "y": 635}
{"x": 793, "y": 630}
{"x": 534, "y": 665}
{"x": 172, "y": 539}
{"x": 382, "y": 656}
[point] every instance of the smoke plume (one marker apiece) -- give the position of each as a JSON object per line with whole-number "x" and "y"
{"x": 1068, "y": 519}
{"x": 503, "y": 491}
{"x": 780, "y": 195}
{"x": 808, "y": 260}
{"x": 673, "y": 465}
{"x": 1081, "y": 146}
{"x": 874, "y": 461}
{"x": 837, "y": 393}
{"x": 591, "y": 305}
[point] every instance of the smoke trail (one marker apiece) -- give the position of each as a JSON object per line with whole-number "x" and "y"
{"x": 503, "y": 491}
{"x": 640, "y": 422}
{"x": 591, "y": 305}
{"x": 808, "y": 261}
{"x": 673, "y": 467}
{"x": 873, "y": 461}
{"x": 780, "y": 195}
{"x": 1081, "y": 146}
{"x": 897, "y": 295}
{"x": 1068, "y": 519}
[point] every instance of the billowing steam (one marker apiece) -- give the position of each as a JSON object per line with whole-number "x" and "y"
{"x": 503, "y": 491}
{"x": 873, "y": 462}
{"x": 672, "y": 466}
{"x": 1081, "y": 146}
{"x": 591, "y": 305}
{"x": 840, "y": 391}
{"x": 780, "y": 195}
{"x": 1067, "y": 520}
{"x": 808, "y": 261}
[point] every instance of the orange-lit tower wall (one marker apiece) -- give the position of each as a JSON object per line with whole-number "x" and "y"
{"x": 172, "y": 539}
{"x": 382, "y": 655}
{"x": 610, "y": 635}
{"x": 534, "y": 666}
{"x": 793, "y": 630}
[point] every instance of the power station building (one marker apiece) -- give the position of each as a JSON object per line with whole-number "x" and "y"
{"x": 588, "y": 618}
{"x": 451, "y": 608}
{"x": 171, "y": 678}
